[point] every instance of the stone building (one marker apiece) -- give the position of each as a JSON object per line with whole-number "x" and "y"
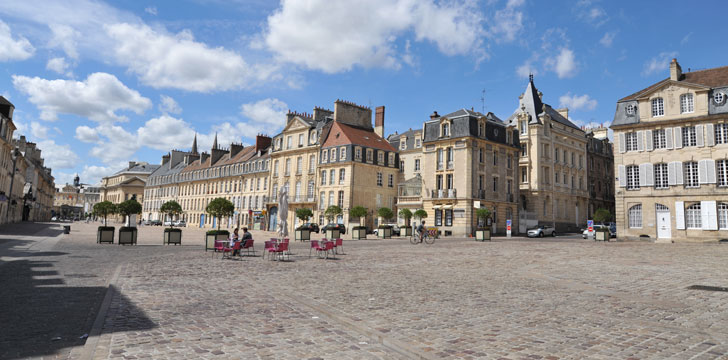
{"x": 600, "y": 170}
{"x": 39, "y": 187}
{"x": 8, "y": 200}
{"x": 68, "y": 203}
{"x": 672, "y": 141}
{"x": 357, "y": 166}
{"x": 409, "y": 181}
{"x": 469, "y": 161}
{"x": 552, "y": 165}
{"x": 127, "y": 183}
{"x": 163, "y": 184}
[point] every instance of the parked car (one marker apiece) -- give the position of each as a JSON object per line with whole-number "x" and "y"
{"x": 612, "y": 227}
{"x": 147, "y": 222}
{"x": 180, "y": 223}
{"x": 542, "y": 231}
{"x": 313, "y": 227}
{"x": 341, "y": 227}
{"x": 54, "y": 219}
{"x": 585, "y": 233}
{"x": 156, "y": 223}
{"x": 395, "y": 230}
{"x": 168, "y": 223}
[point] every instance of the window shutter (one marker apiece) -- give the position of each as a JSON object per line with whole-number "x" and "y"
{"x": 622, "y": 176}
{"x": 678, "y": 173}
{"x": 643, "y": 175}
{"x": 648, "y": 140}
{"x": 702, "y": 172}
{"x": 671, "y": 173}
{"x": 711, "y": 171}
{"x": 650, "y": 176}
{"x": 709, "y": 213}
{"x": 679, "y": 215}
{"x": 668, "y": 138}
{"x": 699, "y": 135}
{"x": 677, "y": 132}
{"x": 640, "y": 141}
{"x": 622, "y": 145}
{"x": 710, "y": 134}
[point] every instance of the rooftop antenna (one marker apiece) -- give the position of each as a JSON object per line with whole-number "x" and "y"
{"x": 482, "y": 101}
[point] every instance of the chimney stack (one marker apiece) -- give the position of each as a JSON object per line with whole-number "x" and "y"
{"x": 675, "y": 70}
{"x": 434, "y": 115}
{"x": 379, "y": 121}
{"x": 131, "y": 164}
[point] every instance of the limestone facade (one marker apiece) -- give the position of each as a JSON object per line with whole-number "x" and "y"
{"x": 600, "y": 170}
{"x": 672, "y": 141}
{"x": 127, "y": 183}
{"x": 39, "y": 186}
{"x": 7, "y": 152}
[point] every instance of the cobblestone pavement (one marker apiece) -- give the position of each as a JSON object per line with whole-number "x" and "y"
{"x": 383, "y": 299}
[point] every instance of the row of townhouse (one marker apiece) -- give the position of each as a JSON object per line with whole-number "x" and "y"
{"x": 672, "y": 162}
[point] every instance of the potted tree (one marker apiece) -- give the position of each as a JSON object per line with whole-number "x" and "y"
{"x": 385, "y": 231}
{"x": 171, "y": 235}
{"x": 358, "y": 232}
{"x": 303, "y": 233}
{"x": 407, "y": 215}
{"x": 219, "y": 208}
{"x": 602, "y": 216}
{"x": 128, "y": 234}
{"x": 331, "y": 213}
{"x": 104, "y": 234}
{"x": 483, "y": 232}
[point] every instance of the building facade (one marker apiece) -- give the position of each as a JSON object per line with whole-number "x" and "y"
{"x": 8, "y": 156}
{"x": 552, "y": 165}
{"x": 600, "y": 170}
{"x": 39, "y": 185}
{"x": 127, "y": 183}
{"x": 672, "y": 172}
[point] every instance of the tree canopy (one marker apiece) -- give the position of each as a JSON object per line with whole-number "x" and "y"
{"x": 332, "y": 212}
{"x": 602, "y": 215}
{"x": 385, "y": 213}
{"x": 220, "y": 208}
{"x": 129, "y": 207}
{"x": 171, "y": 208}
{"x": 304, "y": 214}
{"x": 420, "y": 214}
{"x": 104, "y": 209}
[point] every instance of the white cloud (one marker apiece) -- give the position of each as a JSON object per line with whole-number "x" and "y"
{"x": 115, "y": 145}
{"x": 658, "y": 63}
{"x": 13, "y": 49}
{"x": 564, "y": 64}
{"x": 97, "y": 98}
{"x": 588, "y": 12}
{"x": 340, "y": 35}
{"x": 58, "y": 156}
{"x": 507, "y": 22}
{"x": 59, "y": 65}
{"x": 151, "y": 10}
{"x": 266, "y": 112}
{"x": 526, "y": 69}
{"x": 608, "y": 38}
{"x": 86, "y": 134}
{"x": 178, "y": 61}
{"x": 178, "y": 134}
{"x": 64, "y": 37}
{"x": 577, "y": 102}
{"x": 168, "y": 105}
{"x": 38, "y": 130}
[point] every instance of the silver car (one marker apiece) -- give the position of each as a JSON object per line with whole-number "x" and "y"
{"x": 542, "y": 231}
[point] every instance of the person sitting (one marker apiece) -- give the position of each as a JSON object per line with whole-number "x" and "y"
{"x": 246, "y": 236}
{"x": 234, "y": 238}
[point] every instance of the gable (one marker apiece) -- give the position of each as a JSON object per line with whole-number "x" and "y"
{"x": 296, "y": 124}
{"x": 668, "y": 85}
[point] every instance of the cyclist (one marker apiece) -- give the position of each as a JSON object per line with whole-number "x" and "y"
{"x": 421, "y": 230}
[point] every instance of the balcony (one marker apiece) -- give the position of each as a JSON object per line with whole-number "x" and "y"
{"x": 444, "y": 194}
{"x": 300, "y": 199}
{"x": 402, "y": 200}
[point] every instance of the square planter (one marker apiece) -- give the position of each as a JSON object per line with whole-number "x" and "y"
{"x": 405, "y": 231}
{"x": 303, "y": 235}
{"x": 127, "y": 236}
{"x": 600, "y": 235}
{"x": 332, "y": 234}
{"x": 172, "y": 237}
{"x": 482, "y": 234}
{"x": 105, "y": 234}
{"x": 385, "y": 233}
{"x": 358, "y": 234}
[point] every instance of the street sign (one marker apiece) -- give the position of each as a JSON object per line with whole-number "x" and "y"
{"x": 508, "y": 227}
{"x": 590, "y": 225}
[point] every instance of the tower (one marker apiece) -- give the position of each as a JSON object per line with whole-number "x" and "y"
{"x": 194, "y": 145}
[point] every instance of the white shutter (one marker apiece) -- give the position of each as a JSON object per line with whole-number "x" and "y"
{"x": 640, "y": 141}
{"x": 709, "y": 215}
{"x": 668, "y": 138}
{"x": 648, "y": 140}
{"x": 679, "y": 215}
{"x": 710, "y": 135}
{"x": 677, "y": 133}
{"x": 622, "y": 145}
{"x": 678, "y": 173}
{"x": 702, "y": 172}
{"x": 643, "y": 175}
{"x": 671, "y": 173}
{"x": 711, "y": 171}
{"x": 622, "y": 175}
{"x": 699, "y": 135}
{"x": 649, "y": 175}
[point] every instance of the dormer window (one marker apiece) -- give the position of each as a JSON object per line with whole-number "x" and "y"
{"x": 630, "y": 109}
{"x": 418, "y": 143}
{"x": 481, "y": 129}
{"x": 445, "y": 131}
{"x": 524, "y": 127}
{"x": 313, "y": 137}
{"x": 686, "y": 103}
{"x": 719, "y": 98}
{"x": 658, "y": 107}
{"x": 403, "y": 144}
{"x": 342, "y": 153}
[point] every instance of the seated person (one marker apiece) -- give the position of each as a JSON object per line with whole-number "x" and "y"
{"x": 246, "y": 236}
{"x": 234, "y": 237}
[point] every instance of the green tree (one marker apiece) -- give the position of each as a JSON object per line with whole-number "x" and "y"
{"x": 171, "y": 208}
{"x": 129, "y": 207}
{"x": 104, "y": 209}
{"x": 482, "y": 214}
{"x": 602, "y": 215}
{"x": 407, "y": 215}
{"x": 304, "y": 214}
{"x": 385, "y": 213}
{"x": 358, "y": 212}
{"x": 220, "y": 208}
{"x": 332, "y": 212}
{"x": 420, "y": 214}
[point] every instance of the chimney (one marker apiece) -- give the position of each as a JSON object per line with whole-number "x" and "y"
{"x": 675, "y": 70}
{"x": 203, "y": 157}
{"x": 165, "y": 159}
{"x": 564, "y": 112}
{"x": 320, "y": 114}
{"x": 262, "y": 142}
{"x": 235, "y": 149}
{"x": 131, "y": 164}
{"x": 379, "y": 121}
{"x": 434, "y": 115}
{"x": 600, "y": 133}
{"x": 217, "y": 154}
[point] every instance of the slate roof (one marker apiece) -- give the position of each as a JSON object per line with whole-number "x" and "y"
{"x": 535, "y": 107}
{"x": 411, "y": 135}
{"x": 342, "y": 134}
{"x": 715, "y": 77}
{"x": 140, "y": 167}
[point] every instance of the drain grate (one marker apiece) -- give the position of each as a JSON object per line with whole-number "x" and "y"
{"x": 707, "y": 288}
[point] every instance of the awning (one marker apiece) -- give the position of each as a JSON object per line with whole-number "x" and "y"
{"x": 436, "y": 207}
{"x": 447, "y": 206}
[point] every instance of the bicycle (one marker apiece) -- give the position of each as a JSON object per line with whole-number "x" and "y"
{"x": 428, "y": 238}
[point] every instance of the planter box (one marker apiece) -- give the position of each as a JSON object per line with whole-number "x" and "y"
{"x": 105, "y": 236}
{"x": 358, "y": 234}
{"x": 211, "y": 238}
{"x": 332, "y": 234}
{"x": 600, "y": 235}
{"x": 127, "y": 236}
{"x": 405, "y": 231}
{"x": 482, "y": 235}
{"x": 385, "y": 233}
{"x": 303, "y": 235}
{"x": 172, "y": 237}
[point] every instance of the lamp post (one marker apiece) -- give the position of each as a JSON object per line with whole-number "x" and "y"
{"x": 14, "y": 156}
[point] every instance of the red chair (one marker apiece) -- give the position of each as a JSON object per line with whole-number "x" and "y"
{"x": 339, "y": 244}
{"x": 219, "y": 246}
{"x": 329, "y": 246}
{"x": 315, "y": 246}
{"x": 281, "y": 250}
{"x": 269, "y": 247}
{"x": 249, "y": 247}
{"x": 235, "y": 249}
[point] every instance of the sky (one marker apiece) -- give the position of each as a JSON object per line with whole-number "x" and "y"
{"x": 97, "y": 84}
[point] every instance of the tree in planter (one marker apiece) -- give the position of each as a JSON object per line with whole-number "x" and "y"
{"x": 129, "y": 207}
{"x": 359, "y": 212}
{"x": 304, "y": 214}
{"x": 602, "y": 215}
{"x": 220, "y": 208}
{"x": 420, "y": 214}
{"x": 407, "y": 215}
{"x": 171, "y": 208}
{"x": 482, "y": 214}
{"x": 385, "y": 213}
{"x": 332, "y": 212}
{"x": 104, "y": 209}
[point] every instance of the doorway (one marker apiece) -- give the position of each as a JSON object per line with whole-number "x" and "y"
{"x": 664, "y": 230}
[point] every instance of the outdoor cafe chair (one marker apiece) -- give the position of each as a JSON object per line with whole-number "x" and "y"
{"x": 219, "y": 246}
{"x": 339, "y": 244}
{"x": 281, "y": 250}
{"x": 249, "y": 247}
{"x": 315, "y": 246}
{"x": 329, "y": 246}
{"x": 269, "y": 247}
{"x": 237, "y": 246}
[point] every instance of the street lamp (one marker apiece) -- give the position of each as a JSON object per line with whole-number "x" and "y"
{"x": 14, "y": 155}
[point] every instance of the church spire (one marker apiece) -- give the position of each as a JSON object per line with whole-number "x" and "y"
{"x": 194, "y": 145}
{"x": 214, "y": 143}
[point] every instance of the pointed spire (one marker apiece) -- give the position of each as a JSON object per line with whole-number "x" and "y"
{"x": 214, "y": 143}
{"x": 194, "y": 145}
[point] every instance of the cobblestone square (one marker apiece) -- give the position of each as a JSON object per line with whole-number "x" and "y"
{"x": 562, "y": 298}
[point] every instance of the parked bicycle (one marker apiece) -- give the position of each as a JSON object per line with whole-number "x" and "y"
{"x": 428, "y": 237}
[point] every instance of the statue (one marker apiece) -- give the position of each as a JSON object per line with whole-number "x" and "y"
{"x": 283, "y": 212}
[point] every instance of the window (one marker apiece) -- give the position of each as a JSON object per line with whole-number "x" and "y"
{"x": 323, "y": 177}
{"x": 331, "y": 198}
{"x": 342, "y": 154}
{"x": 722, "y": 172}
{"x": 660, "y": 176}
{"x": 310, "y": 189}
{"x": 722, "y": 216}
{"x": 299, "y": 165}
{"x": 440, "y": 165}
{"x": 691, "y": 174}
{"x": 556, "y": 154}
{"x": 556, "y": 178}
{"x": 370, "y": 155}
{"x": 322, "y": 201}
{"x": 380, "y": 157}
{"x": 438, "y": 182}
{"x": 379, "y": 179}
{"x": 524, "y": 127}
{"x": 333, "y": 155}
{"x": 659, "y": 139}
{"x": 289, "y": 142}
{"x": 635, "y": 216}
{"x": 403, "y": 144}
{"x": 298, "y": 190}
{"x": 390, "y": 181}
{"x": 481, "y": 129}
{"x": 438, "y": 217}
{"x": 288, "y": 167}
{"x": 495, "y": 184}
{"x": 417, "y": 164}
{"x": 573, "y": 159}
{"x": 342, "y": 176}
{"x": 721, "y": 133}
{"x": 449, "y": 181}
{"x": 719, "y": 97}
{"x": 631, "y": 109}
{"x": 631, "y": 141}
{"x": 300, "y": 140}
{"x": 448, "y": 217}
{"x": 689, "y": 136}
{"x": 686, "y": 103}
{"x": 311, "y": 164}
{"x": 658, "y": 107}
{"x": 418, "y": 143}
{"x": 693, "y": 218}
{"x": 313, "y": 137}
{"x": 445, "y": 129}
{"x": 391, "y": 159}
{"x": 324, "y": 156}
{"x": 633, "y": 177}
{"x": 481, "y": 179}
{"x": 495, "y": 158}
{"x": 341, "y": 199}
{"x": 509, "y": 161}
{"x": 524, "y": 175}
{"x": 357, "y": 153}
{"x": 257, "y": 185}
{"x": 524, "y": 150}
{"x": 332, "y": 177}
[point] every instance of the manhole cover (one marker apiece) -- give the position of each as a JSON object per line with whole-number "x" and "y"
{"x": 707, "y": 288}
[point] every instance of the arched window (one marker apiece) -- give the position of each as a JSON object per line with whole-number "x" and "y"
{"x": 723, "y": 216}
{"x": 686, "y": 103}
{"x": 445, "y": 129}
{"x": 658, "y": 107}
{"x": 635, "y": 216}
{"x": 693, "y": 218}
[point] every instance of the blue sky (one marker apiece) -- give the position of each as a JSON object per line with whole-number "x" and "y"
{"x": 97, "y": 84}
